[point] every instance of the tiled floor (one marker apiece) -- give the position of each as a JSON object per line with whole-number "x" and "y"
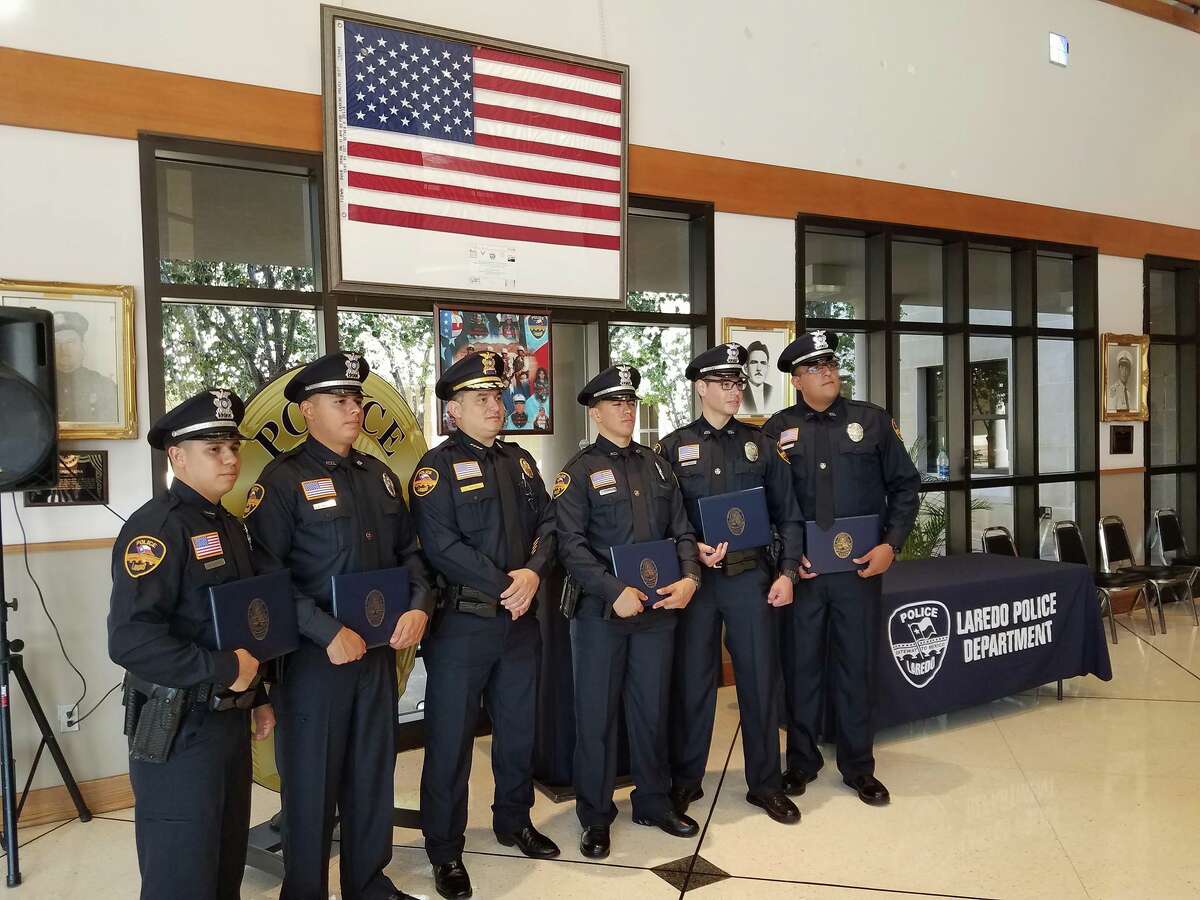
{"x": 1097, "y": 796}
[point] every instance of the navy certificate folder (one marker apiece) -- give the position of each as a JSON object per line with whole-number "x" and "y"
{"x": 256, "y": 614}
{"x": 739, "y": 517}
{"x": 833, "y": 550}
{"x": 371, "y": 603}
{"x": 647, "y": 566}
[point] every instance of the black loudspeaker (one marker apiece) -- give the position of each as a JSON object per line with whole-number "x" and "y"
{"x": 28, "y": 402}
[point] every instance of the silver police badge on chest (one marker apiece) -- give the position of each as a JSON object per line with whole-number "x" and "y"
{"x": 854, "y": 431}
{"x": 751, "y": 449}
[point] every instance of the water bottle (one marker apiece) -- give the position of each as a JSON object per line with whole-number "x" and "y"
{"x": 943, "y": 464}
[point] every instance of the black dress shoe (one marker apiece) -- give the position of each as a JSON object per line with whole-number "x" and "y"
{"x": 673, "y": 824}
{"x": 777, "y": 806}
{"x": 794, "y": 782}
{"x": 594, "y": 842}
{"x": 452, "y": 880}
{"x": 531, "y": 842}
{"x": 870, "y": 789}
{"x": 683, "y": 797}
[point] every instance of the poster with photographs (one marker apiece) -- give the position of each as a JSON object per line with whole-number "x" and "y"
{"x": 522, "y": 339}
{"x": 767, "y": 389}
{"x": 93, "y": 353}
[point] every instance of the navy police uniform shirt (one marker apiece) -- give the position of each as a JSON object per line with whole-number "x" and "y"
{"x": 708, "y": 460}
{"x": 456, "y": 498}
{"x": 320, "y": 515}
{"x": 872, "y": 471}
{"x": 167, "y": 556}
{"x": 608, "y": 496}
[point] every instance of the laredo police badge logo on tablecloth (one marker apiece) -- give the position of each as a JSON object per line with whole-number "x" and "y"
{"x": 375, "y": 608}
{"x": 919, "y": 634}
{"x": 843, "y": 545}
{"x": 735, "y": 521}
{"x": 258, "y": 617}
{"x": 649, "y": 572}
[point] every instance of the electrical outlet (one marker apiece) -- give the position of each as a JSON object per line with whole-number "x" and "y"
{"x": 66, "y": 718}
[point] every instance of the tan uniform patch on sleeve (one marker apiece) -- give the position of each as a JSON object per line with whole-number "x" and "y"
{"x": 561, "y": 482}
{"x": 143, "y": 555}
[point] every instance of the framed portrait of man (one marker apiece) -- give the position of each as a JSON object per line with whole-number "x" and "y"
{"x": 1126, "y": 377}
{"x": 767, "y": 389}
{"x": 520, "y": 338}
{"x": 94, "y": 354}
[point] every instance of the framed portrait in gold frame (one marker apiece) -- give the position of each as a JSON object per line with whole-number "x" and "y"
{"x": 95, "y": 355}
{"x": 767, "y": 389}
{"x": 1125, "y": 377}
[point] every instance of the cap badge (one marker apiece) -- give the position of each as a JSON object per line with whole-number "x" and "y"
{"x": 820, "y": 342}
{"x": 731, "y": 354}
{"x": 626, "y": 376}
{"x": 352, "y": 365}
{"x": 223, "y": 404}
{"x": 489, "y": 362}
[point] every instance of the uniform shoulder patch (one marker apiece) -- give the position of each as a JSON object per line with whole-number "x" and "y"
{"x": 561, "y": 482}
{"x": 425, "y": 479}
{"x": 896, "y": 428}
{"x": 658, "y": 447}
{"x": 143, "y": 555}
{"x": 254, "y": 497}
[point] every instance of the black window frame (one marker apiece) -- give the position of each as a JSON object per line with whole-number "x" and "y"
{"x": 883, "y": 327}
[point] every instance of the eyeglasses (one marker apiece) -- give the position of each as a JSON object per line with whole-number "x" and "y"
{"x": 819, "y": 368}
{"x": 727, "y": 384}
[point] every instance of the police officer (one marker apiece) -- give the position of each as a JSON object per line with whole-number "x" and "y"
{"x": 482, "y": 515}
{"x": 84, "y": 395}
{"x": 323, "y": 509}
{"x": 740, "y": 590}
{"x": 847, "y": 459}
{"x": 193, "y": 810}
{"x": 611, "y": 493}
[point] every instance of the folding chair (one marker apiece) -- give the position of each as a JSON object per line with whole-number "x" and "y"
{"x": 1068, "y": 543}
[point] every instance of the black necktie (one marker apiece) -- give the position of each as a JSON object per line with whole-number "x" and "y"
{"x": 506, "y": 479}
{"x": 235, "y": 540}
{"x": 824, "y": 485}
{"x": 635, "y": 471}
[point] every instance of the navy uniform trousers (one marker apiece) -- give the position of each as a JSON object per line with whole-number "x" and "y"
{"x": 832, "y": 631}
{"x": 336, "y": 726}
{"x": 193, "y": 811}
{"x": 752, "y": 635}
{"x": 621, "y": 661}
{"x": 469, "y": 658}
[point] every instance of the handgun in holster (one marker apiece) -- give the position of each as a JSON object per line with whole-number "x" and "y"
{"x": 158, "y": 712}
{"x": 569, "y": 600}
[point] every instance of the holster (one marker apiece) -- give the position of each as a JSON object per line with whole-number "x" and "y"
{"x": 157, "y": 712}
{"x": 472, "y": 602}
{"x": 568, "y": 602}
{"x": 739, "y": 561}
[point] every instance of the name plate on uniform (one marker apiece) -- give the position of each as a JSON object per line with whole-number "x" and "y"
{"x": 371, "y": 603}
{"x": 647, "y": 566}
{"x": 738, "y": 517}
{"x": 834, "y": 550}
{"x": 256, "y": 614}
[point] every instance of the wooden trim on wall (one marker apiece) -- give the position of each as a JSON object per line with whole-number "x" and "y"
{"x": 82, "y": 544}
{"x": 53, "y": 804}
{"x": 60, "y": 93}
{"x": 1156, "y": 9}
{"x": 1131, "y": 470}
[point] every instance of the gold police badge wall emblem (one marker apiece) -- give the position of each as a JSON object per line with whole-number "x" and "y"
{"x": 258, "y": 617}
{"x": 375, "y": 607}
{"x": 649, "y": 572}
{"x": 843, "y": 545}
{"x": 735, "y": 521}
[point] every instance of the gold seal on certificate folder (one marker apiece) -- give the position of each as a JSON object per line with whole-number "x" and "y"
{"x": 258, "y": 617}
{"x": 649, "y": 573}
{"x": 735, "y": 521}
{"x": 375, "y": 608}
{"x": 843, "y": 544}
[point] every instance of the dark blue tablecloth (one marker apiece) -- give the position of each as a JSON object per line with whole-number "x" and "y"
{"x": 963, "y": 630}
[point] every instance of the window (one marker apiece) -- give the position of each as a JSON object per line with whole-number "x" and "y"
{"x": 660, "y": 354}
{"x": 983, "y": 349}
{"x": 399, "y": 347}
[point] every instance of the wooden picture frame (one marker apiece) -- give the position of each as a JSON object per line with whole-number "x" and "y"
{"x": 95, "y": 354}
{"x": 777, "y": 390}
{"x": 1125, "y": 378}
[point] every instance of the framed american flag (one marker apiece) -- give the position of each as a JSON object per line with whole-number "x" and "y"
{"x": 464, "y": 167}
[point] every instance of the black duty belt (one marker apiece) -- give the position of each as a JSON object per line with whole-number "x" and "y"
{"x": 467, "y": 600}
{"x": 739, "y": 561}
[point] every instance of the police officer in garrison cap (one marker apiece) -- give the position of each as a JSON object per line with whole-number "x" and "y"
{"x": 741, "y": 589}
{"x": 193, "y": 809}
{"x": 847, "y": 459}
{"x": 323, "y": 509}
{"x": 484, "y": 519}
{"x": 611, "y": 493}
{"x": 84, "y": 395}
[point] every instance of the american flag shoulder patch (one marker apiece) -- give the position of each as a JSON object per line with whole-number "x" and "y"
{"x": 788, "y": 436}
{"x": 603, "y": 479}
{"x": 468, "y": 469}
{"x": 206, "y": 546}
{"x": 318, "y": 488}
{"x": 689, "y": 452}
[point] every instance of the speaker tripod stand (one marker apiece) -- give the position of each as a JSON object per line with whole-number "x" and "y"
{"x": 11, "y": 664}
